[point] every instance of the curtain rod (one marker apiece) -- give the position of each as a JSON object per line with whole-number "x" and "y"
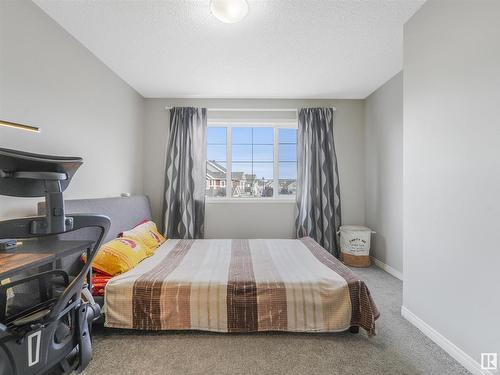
{"x": 248, "y": 109}
{"x": 296, "y": 110}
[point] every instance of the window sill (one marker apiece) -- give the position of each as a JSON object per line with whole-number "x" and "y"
{"x": 250, "y": 200}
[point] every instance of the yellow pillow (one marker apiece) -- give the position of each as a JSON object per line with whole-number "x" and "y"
{"x": 119, "y": 255}
{"x": 148, "y": 234}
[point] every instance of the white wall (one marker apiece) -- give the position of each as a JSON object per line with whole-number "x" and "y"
{"x": 384, "y": 171}
{"x": 452, "y": 171}
{"x": 261, "y": 219}
{"x": 49, "y": 80}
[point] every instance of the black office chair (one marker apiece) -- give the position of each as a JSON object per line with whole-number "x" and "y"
{"x": 48, "y": 331}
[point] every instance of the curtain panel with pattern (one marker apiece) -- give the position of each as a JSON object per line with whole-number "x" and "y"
{"x": 318, "y": 186}
{"x": 185, "y": 174}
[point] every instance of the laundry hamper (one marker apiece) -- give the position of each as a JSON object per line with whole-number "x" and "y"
{"x": 355, "y": 245}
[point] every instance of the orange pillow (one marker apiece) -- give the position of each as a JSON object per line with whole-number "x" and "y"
{"x": 148, "y": 234}
{"x": 119, "y": 255}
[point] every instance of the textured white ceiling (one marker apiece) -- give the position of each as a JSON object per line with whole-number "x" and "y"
{"x": 282, "y": 49}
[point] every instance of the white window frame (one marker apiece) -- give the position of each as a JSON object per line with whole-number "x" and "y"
{"x": 243, "y": 123}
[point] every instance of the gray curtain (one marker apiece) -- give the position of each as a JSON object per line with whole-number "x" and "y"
{"x": 185, "y": 174}
{"x": 318, "y": 187}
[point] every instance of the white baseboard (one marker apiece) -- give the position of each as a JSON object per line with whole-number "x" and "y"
{"x": 458, "y": 354}
{"x": 392, "y": 271}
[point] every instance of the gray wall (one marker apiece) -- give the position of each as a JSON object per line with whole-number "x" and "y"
{"x": 452, "y": 171}
{"x": 262, "y": 219}
{"x": 250, "y": 220}
{"x": 384, "y": 171}
{"x": 50, "y": 80}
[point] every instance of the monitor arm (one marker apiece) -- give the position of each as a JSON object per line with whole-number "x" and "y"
{"x": 55, "y": 221}
{"x": 33, "y": 175}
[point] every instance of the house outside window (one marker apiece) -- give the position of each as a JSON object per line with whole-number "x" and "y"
{"x": 256, "y": 161}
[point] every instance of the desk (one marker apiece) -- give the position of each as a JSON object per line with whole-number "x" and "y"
{"x": 38, "y": 252}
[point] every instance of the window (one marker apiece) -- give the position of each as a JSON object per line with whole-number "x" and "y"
{"x": 245, "y": 161}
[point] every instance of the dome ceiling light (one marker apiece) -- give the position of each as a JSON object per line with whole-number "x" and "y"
{"x": 229, "y": 11}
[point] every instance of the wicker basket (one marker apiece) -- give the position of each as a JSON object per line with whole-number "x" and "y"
{"x": 356, "y": 260}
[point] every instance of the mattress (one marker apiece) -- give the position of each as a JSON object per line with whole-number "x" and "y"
{"x": 240, "y": 286}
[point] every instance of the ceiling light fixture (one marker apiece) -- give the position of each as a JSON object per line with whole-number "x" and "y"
{"x": 229, "y": 11}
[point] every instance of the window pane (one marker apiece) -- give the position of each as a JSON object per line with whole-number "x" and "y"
{"x": 288, "y": 170}
{"x": 287, "y": 135}
{"x": 263, "y": 136}
{"x": 287, "y": 187}
{"x": 264, "y": 188}
{"x": 242, "y": 136}
{"x": 252, "y": 180}
{"x": 287, "y": 152}
{"x": 263, "y": 171}
{"x": 242, "y": 179}
{"x": 263, "y": 153}
{"x": 252, "y": 188}
{"x": 287, "y": 178}
{"x": 216, "y": 166}
{"x": 216, "y": 135}
{"x": 216, "y": 179}
{"x": 216, "y": 152}
{"x": 242, "y": 169}
{"x": 242, "y": 153}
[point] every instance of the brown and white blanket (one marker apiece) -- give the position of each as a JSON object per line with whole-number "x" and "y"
{"x": 240, "y": 286}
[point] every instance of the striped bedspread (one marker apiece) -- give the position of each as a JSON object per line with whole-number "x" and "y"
{"x": 240, "y": 286}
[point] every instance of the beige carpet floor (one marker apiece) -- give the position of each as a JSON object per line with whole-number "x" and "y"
{"x": 398, "y": 348}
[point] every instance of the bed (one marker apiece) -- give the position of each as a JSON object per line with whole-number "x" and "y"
{"x": 240, "y": 286}
{"x": 230, "y": 285}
